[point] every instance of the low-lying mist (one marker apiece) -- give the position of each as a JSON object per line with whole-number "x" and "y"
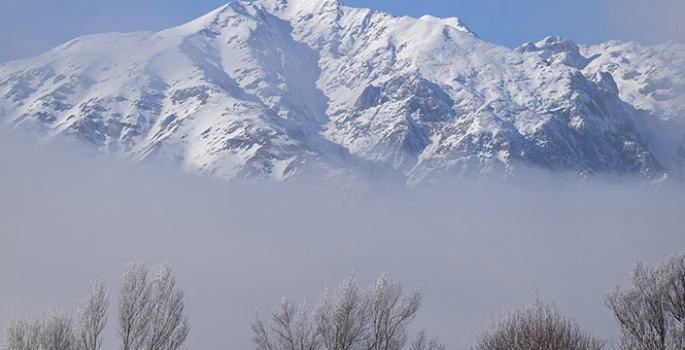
{"x": 475, "y": 251}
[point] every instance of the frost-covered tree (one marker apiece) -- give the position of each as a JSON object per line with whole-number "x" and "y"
{"x": 651, "y": 309}
{"x": 92, "y": 316}
{"x": 342, "y": 318}
{"x": 151, "y": 313}
{"x": 390, "y": 312}
{"x": 292, "y": 329}
{"x": 134, "y": 309}
{"x": 51, "y": 330}
{"x": 421, "y": 342}
{"x": 347, "y": 319}
{"x": 151, "y": 317}
{"x": 56, "y": 331}
{"x": 23, "y": 333}
{"x": 538, "y": 325}
{"x": 169, "y": 325}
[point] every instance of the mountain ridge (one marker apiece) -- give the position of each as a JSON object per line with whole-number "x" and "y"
{"x": 277, "y": 89}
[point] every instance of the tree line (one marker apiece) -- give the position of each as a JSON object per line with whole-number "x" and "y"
{"x": 349, "y": 318}
{"x": 650, "y": 312}
{"x": 151, "y": 316}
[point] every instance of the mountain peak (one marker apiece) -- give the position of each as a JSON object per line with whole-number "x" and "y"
{"x": 307, "y": 6}
{"x": 555, "y": 49}
{"x": 453, "y": 22}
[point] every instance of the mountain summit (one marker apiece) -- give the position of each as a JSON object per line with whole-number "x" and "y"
{"x": 281, "y": 88}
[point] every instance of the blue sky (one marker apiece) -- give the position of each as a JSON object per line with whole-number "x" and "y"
{"x": 29, "y": 27}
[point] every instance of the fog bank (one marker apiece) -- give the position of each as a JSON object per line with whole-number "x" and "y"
{"x": 66, "y": 219}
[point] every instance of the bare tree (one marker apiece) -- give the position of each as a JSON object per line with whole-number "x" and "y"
{"x": 262, "y": 337}
{"x": 651, "y": 309}
{"x": 23, "y": 333}
{"x": 56, "y": 331}
{"x": 421, "y": 342}
{"x": 51, "y": 330}
{"x": 536, "y": 326}
{"x": 292, "y": 329}
{"x": 347, "y": 319}
{"x": 341, "y": 319}
{"x": 169, "y": 325}
{"x": 673, "y": 272}
{"x": 134, "y": 315}
{"x": 640, "y": 310}
{"x": 92, "y": 316}
{"x": 151, "y": 317}
{"x": 389, "y": 314}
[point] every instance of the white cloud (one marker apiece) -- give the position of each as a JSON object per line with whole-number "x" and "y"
{"x": 647, "y": 21}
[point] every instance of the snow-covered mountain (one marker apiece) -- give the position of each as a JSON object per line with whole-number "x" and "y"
{"x": 650, "y": 79}
{"x": 280, "y": 88}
